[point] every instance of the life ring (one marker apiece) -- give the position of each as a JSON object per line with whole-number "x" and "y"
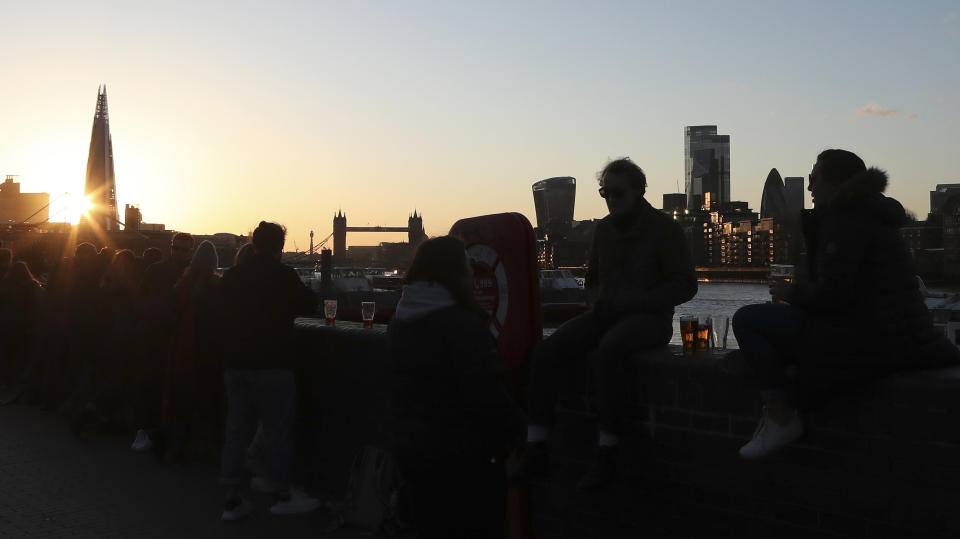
{"x": 490, "y": 285}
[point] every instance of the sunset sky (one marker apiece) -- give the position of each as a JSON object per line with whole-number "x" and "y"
{"x": 226, "y": 114}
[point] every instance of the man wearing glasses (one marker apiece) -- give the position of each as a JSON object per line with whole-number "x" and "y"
{"x": 640, "y": 268}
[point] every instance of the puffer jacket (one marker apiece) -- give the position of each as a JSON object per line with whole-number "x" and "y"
{"x": 865, "y": 316}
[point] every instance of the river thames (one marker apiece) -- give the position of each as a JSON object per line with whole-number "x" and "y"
{"x": 714, "y": 299}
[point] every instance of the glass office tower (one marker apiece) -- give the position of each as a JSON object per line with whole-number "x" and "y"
{"x": 794, "y": 189}
{"x": 707, "y": 167}
{"x": 554, "y": 199}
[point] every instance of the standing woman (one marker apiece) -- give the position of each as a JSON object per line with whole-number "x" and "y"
{"x": 454, "y": 421}
{"x": 193, "y": 396}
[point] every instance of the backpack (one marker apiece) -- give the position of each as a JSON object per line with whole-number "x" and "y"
{"x": 374, "y": 499}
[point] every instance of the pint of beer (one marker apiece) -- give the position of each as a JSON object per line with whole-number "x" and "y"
{"x": 782, "y": 272}
{"x": 367, "y": 308}
{"x": 688, "y": 334}
{"x": 330, "y": 310}
{"x": 704, "y": 331}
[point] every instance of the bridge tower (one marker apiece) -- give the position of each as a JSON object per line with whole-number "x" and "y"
{"x": 415, "y": 232}
{"x": 339, "y": 237}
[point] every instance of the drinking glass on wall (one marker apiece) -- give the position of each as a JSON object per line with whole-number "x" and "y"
{"x": 721, "y": 328}
{"x": 367, "y": 309}
{"x": 704, "y": 331}
{"x": 688, "y": 334}
{"x": 782, "y": 272}
{"x": 330, "y": 310}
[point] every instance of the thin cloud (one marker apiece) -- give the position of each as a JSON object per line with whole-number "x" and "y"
{"x": 874, "y": 109}
{"x": 953, "y": 16}
{"x": 911, "y": 116}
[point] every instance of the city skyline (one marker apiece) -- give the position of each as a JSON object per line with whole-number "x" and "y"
{"x": 292, "y": 112}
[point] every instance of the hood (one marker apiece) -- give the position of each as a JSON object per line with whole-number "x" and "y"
{"x": 422, "y": 298}
{"x": 205, "y": 256}
{"x": 863, "y": 193}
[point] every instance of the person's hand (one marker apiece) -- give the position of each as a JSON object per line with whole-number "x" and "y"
{"x": 779, "y": 290}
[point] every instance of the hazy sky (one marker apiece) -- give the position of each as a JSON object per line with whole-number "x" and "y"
{"x": 223, "y": 115}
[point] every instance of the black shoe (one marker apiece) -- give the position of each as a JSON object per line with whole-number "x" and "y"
{"x": 534, "y": 464}
{"x": 602, "y": 470}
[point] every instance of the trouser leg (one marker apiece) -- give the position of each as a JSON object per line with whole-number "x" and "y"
{"x": 277, "y": 395}
{"x": 553, "y": 361}
{"x": 628, "y": 336}
{"x": 241, "y": 424}
{"x": 768, "y": 335}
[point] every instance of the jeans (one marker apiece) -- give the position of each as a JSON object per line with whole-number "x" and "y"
{"x": 768, "y": 335}
{"x": 557, "y": 357}
{"x": 268, "y": 396}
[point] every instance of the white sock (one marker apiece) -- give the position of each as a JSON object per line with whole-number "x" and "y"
{"x": 607, "y": 440}
{"x": 537, "y": 433}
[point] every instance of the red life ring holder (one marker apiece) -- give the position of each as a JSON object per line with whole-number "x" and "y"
{"x": 490, "y": 285}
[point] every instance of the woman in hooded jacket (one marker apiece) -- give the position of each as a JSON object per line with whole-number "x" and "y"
{"x": 857, "y": 317}
{"x": 454, "y": 422}
{"x": 193, "y": 397}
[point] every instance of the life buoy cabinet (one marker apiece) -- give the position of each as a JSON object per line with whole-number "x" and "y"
{"x": 502, "y": 252}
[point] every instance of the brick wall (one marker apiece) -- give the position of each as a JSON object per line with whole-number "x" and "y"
{"x": 883, "y": 462}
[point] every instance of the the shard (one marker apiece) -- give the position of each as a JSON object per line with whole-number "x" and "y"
{"x": 100, "y": 187}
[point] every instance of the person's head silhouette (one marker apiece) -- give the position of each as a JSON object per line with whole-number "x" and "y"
{"x": 268, "y": 239}
{"x": 443, "y": 261}
{"x": 833, "y": 168}
{"x": 622, "y": 185}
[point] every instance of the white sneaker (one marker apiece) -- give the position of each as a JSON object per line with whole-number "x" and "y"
{"x": 236, "y": 510}
{"x": 142, "y": 442}
{"x": 298, "y": 502}
{"x": 770, "y": 437}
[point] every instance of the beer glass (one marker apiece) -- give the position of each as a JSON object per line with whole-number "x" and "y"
{"x": 688, "y": 334}
{"x": 782, "y": 272}
{"x": 367, "y": 308}
{"x": 330, "y": 310}
{"x": 721, "y": 327}
{"x": 704, "y": 330}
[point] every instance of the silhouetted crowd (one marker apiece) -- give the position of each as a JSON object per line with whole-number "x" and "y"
{"x": 190, "y": 363}
{"x": 118, "y": 342}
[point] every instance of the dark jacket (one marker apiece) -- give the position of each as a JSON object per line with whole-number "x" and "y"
{"x": 450, "y": 399}
{"x": 866, "y": 317}
{"x": 157, "y": 297}
{"x": 642, "y": 265}
{"x": 261, "y": 298}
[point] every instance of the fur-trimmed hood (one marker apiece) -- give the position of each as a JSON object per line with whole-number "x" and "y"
{"x": 863, "y": 193}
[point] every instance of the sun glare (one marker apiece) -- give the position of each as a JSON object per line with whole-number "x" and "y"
{"x": 71, "y": 207}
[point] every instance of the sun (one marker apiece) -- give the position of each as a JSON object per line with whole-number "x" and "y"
{"x": 73, "y": 207}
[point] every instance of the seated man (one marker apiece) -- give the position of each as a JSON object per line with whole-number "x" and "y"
{"x": 858, "y": 317}
{"x": 639, "y": 270}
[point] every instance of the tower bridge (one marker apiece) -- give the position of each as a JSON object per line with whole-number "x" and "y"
{"x": 414, "y": 230}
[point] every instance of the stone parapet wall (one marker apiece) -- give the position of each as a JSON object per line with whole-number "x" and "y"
{"x": 883, "y": 462}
